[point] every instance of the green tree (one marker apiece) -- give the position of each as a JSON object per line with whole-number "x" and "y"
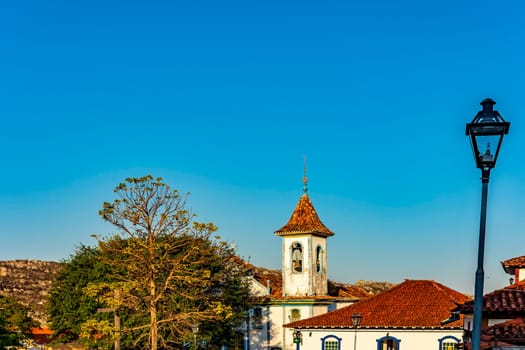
{"x": 75, "y": 311}
{"x": 68, "y": 305}
{"x": 171, "y": 272}
{"x": 14, "y": 322}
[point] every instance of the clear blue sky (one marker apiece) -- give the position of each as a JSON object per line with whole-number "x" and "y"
{"x": 223, "y": 99}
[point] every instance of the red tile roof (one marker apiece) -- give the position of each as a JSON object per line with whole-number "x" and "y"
{"x": 40, "y": 335}
{"x": 517, "y": 285}
{"x": 515, "y": 262}
{"x": 304, "y": 219}
{"x": 510, "y": 264}
{"x": 411, "y": 304}
{"x": 507, "y": 333}
{"x": 274, "y": 279}
{"x": 484, "y": 343}
{"x": 508, "y": 301}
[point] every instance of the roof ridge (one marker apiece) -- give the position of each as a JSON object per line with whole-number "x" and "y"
{"x": 454, "y": 294}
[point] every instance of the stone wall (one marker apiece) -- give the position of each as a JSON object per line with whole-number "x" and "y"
{"x": 28, "y": 282}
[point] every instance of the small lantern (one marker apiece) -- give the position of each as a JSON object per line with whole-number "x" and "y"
{"x": 356, "y": 320}
{"x": 486, "y": 133}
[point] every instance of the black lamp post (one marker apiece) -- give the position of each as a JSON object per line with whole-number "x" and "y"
{"x": 486, "y": 133}
{"x": 297, "y": 338}
{"x": 356, "y": 321}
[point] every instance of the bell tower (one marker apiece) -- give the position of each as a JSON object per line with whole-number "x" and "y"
{"x": 304, "y": 237}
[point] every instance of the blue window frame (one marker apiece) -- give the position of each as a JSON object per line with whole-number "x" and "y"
{"x": 388, "y": 343}
{"x": 448, "y": 342}
{"x": 331, "y": 342}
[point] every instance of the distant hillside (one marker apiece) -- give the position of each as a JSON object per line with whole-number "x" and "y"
{"x": 373, "y": 287}
{"x": 28, "y": 282}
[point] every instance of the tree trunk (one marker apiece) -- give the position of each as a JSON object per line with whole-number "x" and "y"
{"x": 153, "y": 316}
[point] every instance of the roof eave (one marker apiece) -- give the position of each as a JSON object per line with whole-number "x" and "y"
{"x": 290, "y": 325}
{"x": 298, "y": 233}
{"x": 509, "y": 269}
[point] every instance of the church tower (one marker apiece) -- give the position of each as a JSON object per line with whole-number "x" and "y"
{"x": 304, "y": 250}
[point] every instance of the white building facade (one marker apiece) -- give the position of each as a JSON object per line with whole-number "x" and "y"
{"x": 301, "y": 289}
{"x": 408, "y": 316}
{"x": 380, "y": 339}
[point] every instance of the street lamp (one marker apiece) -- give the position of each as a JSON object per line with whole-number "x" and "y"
{"x": 486, "y": 133}
{"x": 195, "y": 330}
{"x": 356, "y": 321}
{"x": 297, "y": 338}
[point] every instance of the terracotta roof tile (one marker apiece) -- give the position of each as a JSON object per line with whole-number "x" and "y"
{"x": 507, "y": 333}
{"x": 39, "y": 330}
{"x": 411, "y": 304}
{"x": 511, "y": 264}
{"x": 274, "y": 279}
{"x": 506, "y": 301}
{"x": 515, "y": 262}
{"x": 484, "y": 344}
{"x": 304, "y": 219}
{"x": 517, "y": 285}
{"x": 40, "y": 335}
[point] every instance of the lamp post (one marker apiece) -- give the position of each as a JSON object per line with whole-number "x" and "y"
{"x": 297, "y": 338}
{"x": 486, "y": 133}
{"x": 356, "y": 321}
{"x": 195, "y": 330}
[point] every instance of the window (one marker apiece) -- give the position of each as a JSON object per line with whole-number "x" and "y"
{"x": 295, "y": 315}
{"x": 319, "y": 260}
{"x": 257, "y": 318}
{"x": 388, "y": 343}
{"x": 331, "y": 342}
{"x": 297, "y": 257}
{"x": 449, "y": 343}
{"x": 448, "y": 346}
{"x": 331, "y": 345}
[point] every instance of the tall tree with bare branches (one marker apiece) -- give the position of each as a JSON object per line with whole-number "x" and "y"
{"x": 169, "y": 267}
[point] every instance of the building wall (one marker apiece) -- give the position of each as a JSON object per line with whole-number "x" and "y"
{"x": 308, "y": 282}
{"x": 494, "y": 321}
{"x": 520, "y": 275}
{"x": 269, "y": 333}
{"x": 367, "y": 339}
{"x": 295, "y": 283}
{"x": 319, "y": 279}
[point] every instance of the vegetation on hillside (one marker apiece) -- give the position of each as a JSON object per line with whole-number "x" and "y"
{"x": 14, "y": 322}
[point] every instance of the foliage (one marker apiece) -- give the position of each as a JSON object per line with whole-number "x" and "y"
{"x": 69, "y": 307}
{"x": 170, "y": 272}
{"x": 94, "y": 330}
{"x": 14, "y": 322}
{"x": 234, "y": 294}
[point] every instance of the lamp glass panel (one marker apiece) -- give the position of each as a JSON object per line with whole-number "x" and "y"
{"x": 487, "y": 142}
{"x": 356, "y": 319}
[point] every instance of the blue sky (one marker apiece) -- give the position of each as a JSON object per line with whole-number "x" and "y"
{"x": 224, "y": 98}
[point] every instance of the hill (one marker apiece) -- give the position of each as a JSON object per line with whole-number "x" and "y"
{"x": 28, "y": 282}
